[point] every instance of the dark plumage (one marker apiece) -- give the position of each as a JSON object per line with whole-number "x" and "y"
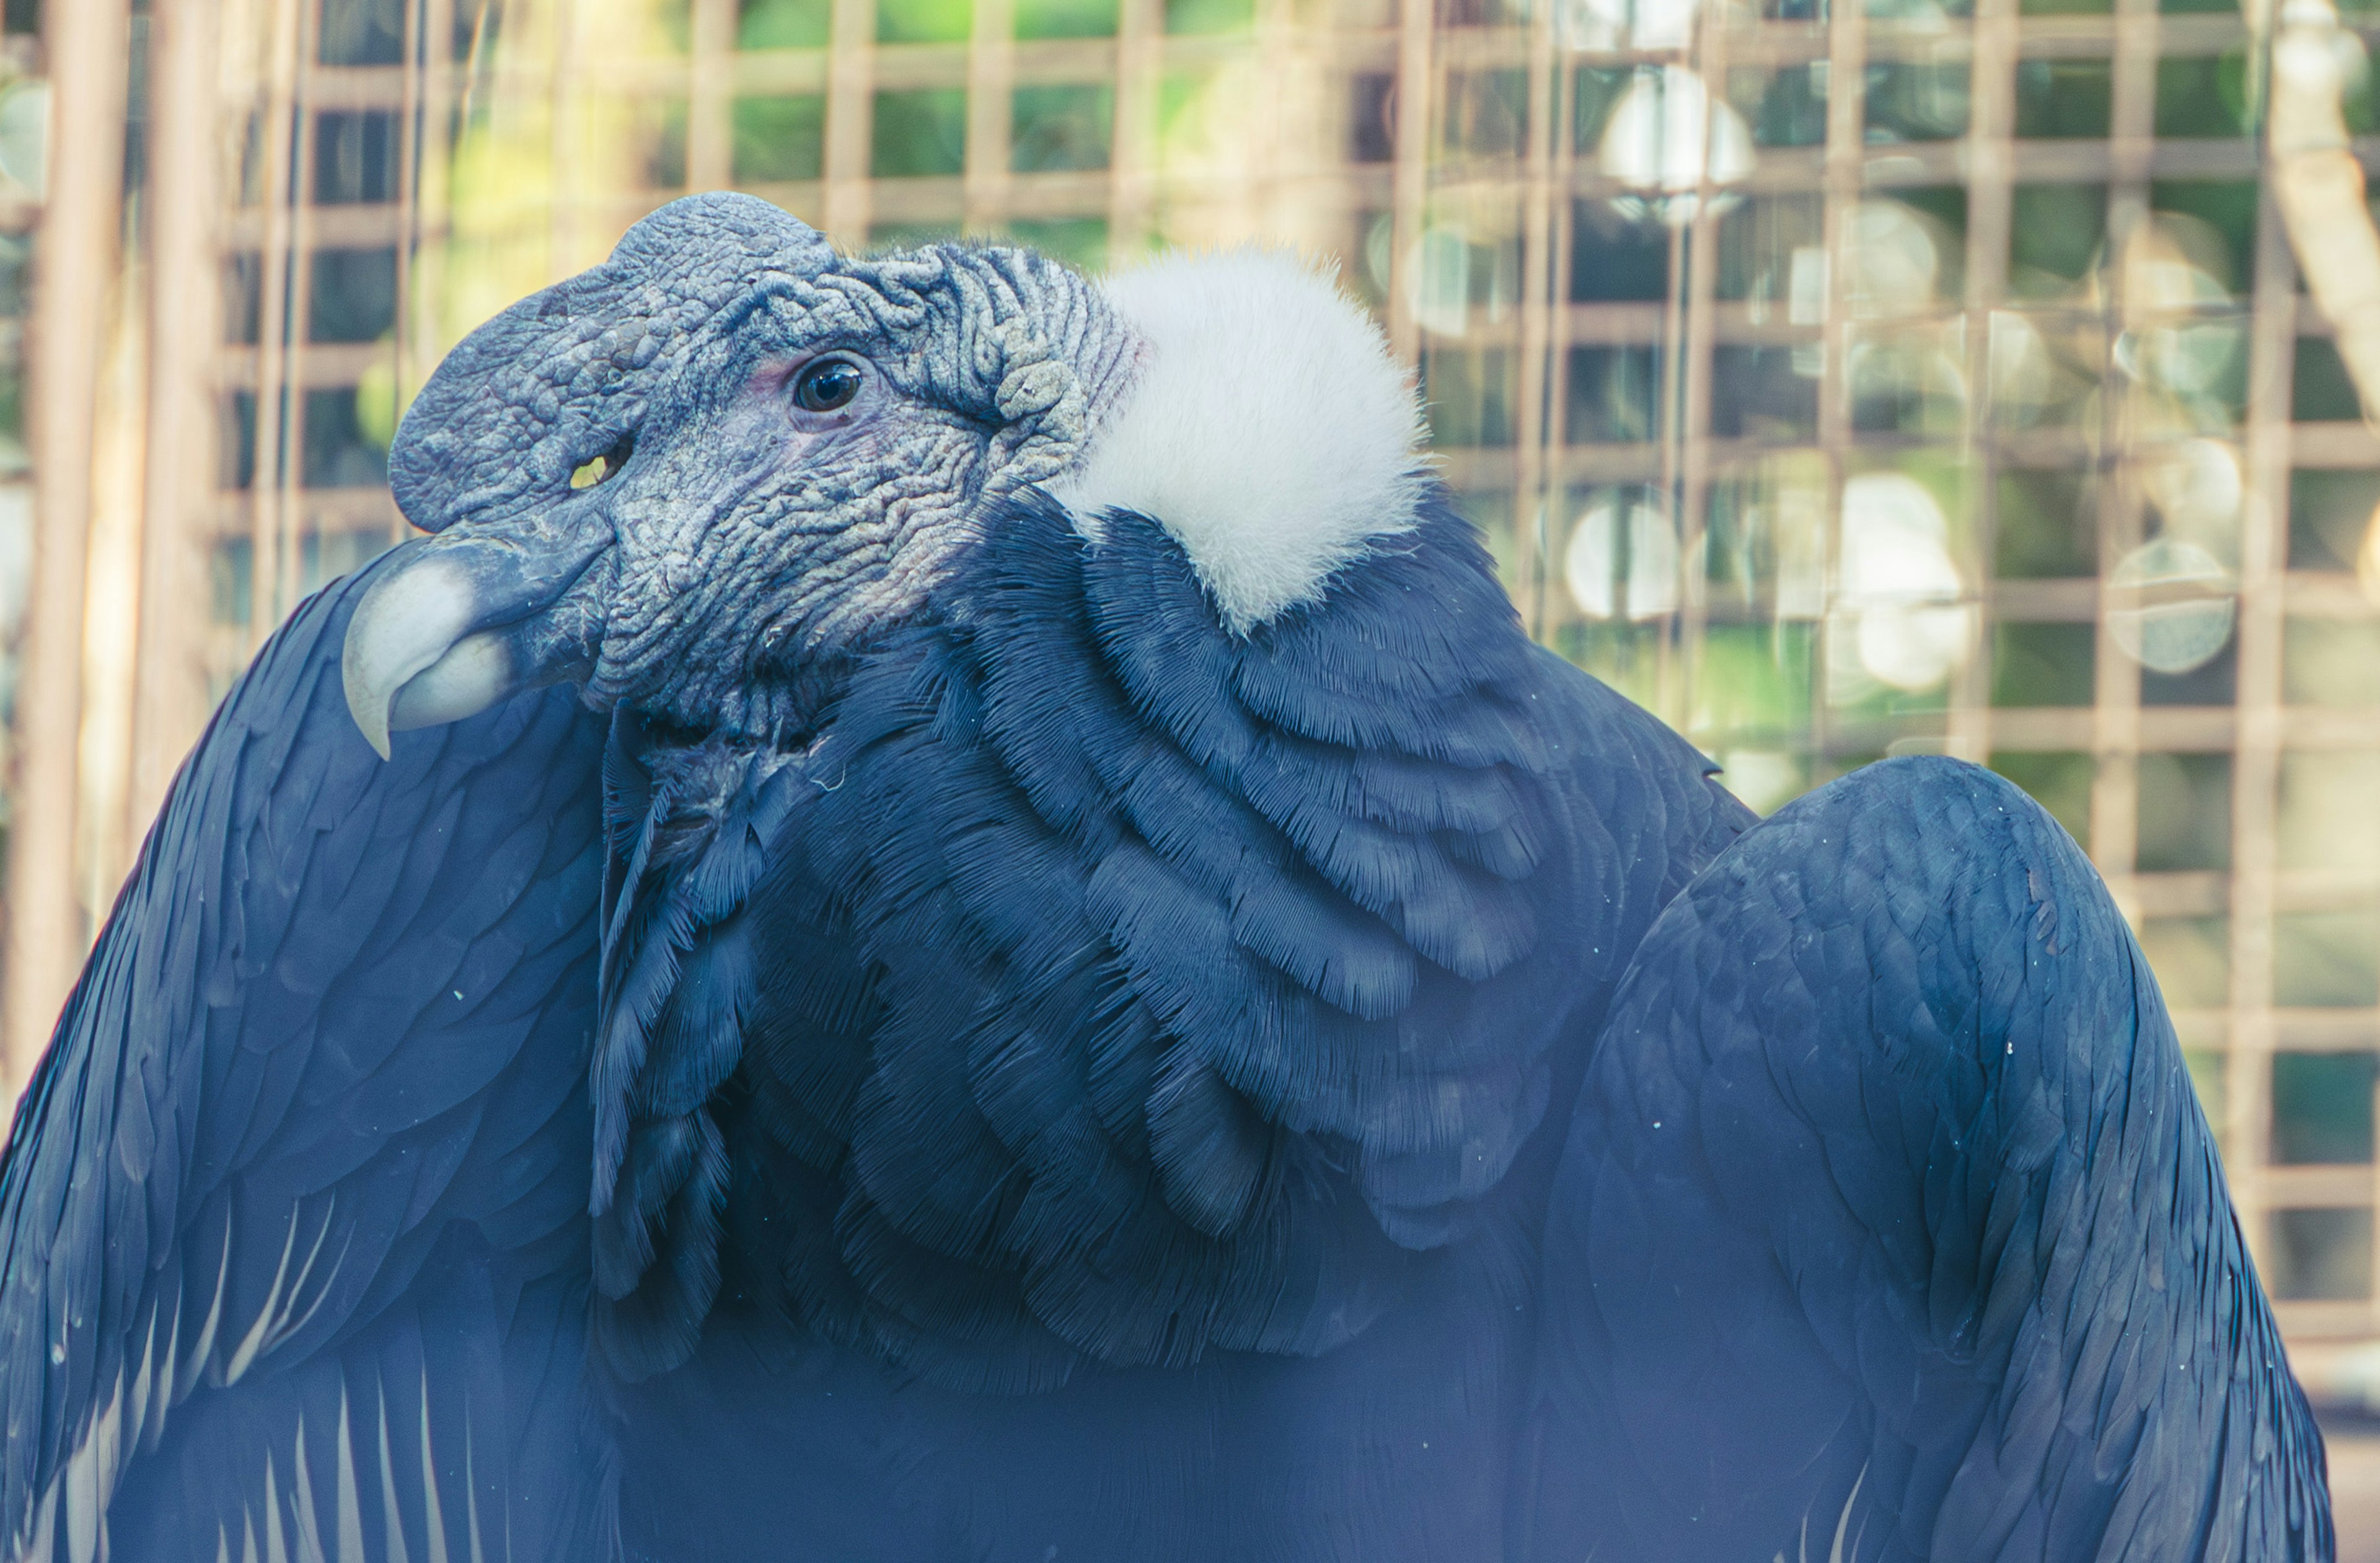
{"x": 973, "y": 1020}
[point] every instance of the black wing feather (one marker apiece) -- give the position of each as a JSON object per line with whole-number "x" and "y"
{"x": 1888, "y": 1206}
{"x": 306, "y": 1155}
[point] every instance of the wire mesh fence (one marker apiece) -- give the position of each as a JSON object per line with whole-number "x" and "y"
{"x": 1837, "y": 381}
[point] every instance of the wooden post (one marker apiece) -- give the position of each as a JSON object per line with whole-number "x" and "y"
{"x": 88, "y": 43}
{"x": 711, "y": 98}
{"x": 1415, "y": 76}
{"x": 181, "y": 507}
{"x": 850, "y": 122}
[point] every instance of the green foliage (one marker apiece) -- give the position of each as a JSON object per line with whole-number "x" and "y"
{"x": 2192, "y": 957}
{"x": 924, "y": 21}
{"x": 2064, "y": 100}
{"x": 2201, "y": 95}
{"x": 2320, "y": 390}
{"x": 1080, "y": 242}
{"x": 1787, "y": 107}
{"x": 1470, "y": 395}
{"x": 1613, "y": 393}
{"x": 2329, "y": 513}
{"x": 1597, "y": 91}
{"x": 2319, "y": 1255}
{"x": 2041, "y": 664}
{"x": 2185, "y": 813}
{"x": 231, "y": 580}
{"x": 15, "y": 252}
{"x": 1839, "y": 765}
{"x": 2214, "y": 682}
{"x": 337, "y": 450}
{"x": 352, "y": 295}
{"x": 236, "y": 441}
{"x": 324, "y": 556}
{"x": 2325, "y": 958}
{"x": 1486, "y": 113}
{"x": 1753, "y": 685}
{"x": 1209, "y": 15}
{"x": 674, "y": 21}
{"x": 910, "y": 235}
{"x": 1180, "y": 94}
{"x": 1912, "y": 101}
{"x": 2058, "y": 228}
{"x": 784, "y": 24}
{"x": 12, "y": 401}
{"x": 1625, "y": 656}
{"x": 1946, "y": 204}
{"x": 1757, "y": 242}
{"x": 2321, "y": 1107}
{"x": 1057, "y": 130}
{"x": 2330, "y": 663}
{"x": 2059, "y": 782}
{"x": 919, "y": 133}
{"x": 2206, "y": 1066}
{"x": 1613, "y": 259}
{"x": 664, "y": 141}
{"x": 1065, "y": 18}
{"x": 361, "y": 32}
{"x": 779, "y": 138}
{"x": 1887, "y": 708}
{"x": 2325, "y": 818}
{"x": 1490, "y": 510}
{"x": 378, "y": 402}
{"x": 2229, "y": 206}
{"x": 2047, "y": 525}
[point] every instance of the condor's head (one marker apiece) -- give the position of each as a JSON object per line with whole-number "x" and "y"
{"x": 700, "y": 478}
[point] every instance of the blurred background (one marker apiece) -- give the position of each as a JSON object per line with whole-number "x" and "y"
{"x": 1975, "y": 376}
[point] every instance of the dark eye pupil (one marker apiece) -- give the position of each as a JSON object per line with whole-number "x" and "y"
{"x": 826, "y": 386}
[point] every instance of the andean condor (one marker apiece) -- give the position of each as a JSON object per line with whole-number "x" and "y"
{"x": 980, "y": 939}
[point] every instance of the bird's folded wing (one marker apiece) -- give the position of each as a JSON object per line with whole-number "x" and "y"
{"x": 292, "y": 1209}
{"x": 1890, "y": 1226}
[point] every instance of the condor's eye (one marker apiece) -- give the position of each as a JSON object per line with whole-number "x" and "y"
{"x": 827, "y": 385}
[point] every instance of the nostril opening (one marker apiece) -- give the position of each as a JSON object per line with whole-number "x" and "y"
{"x": 587, "y": 474}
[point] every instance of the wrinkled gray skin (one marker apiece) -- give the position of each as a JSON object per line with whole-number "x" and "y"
{"x": 709, "y": 578}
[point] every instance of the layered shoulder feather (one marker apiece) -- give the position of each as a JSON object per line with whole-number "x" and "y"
{"x": 1119, "y": 985}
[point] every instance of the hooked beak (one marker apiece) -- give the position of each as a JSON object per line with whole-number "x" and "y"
{"x": 460, "y": 621}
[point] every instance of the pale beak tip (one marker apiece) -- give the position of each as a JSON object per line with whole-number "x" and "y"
{"x": 367, "y": 706}
{"x": 448, "y": 628}
{"x": 406, "y": 620}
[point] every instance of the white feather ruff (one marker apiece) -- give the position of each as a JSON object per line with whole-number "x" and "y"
{"x": 1268, "y": 430}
